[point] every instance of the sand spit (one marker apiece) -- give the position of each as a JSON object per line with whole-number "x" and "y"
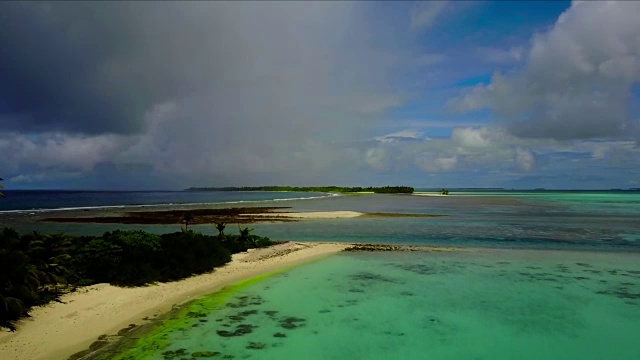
{"x": 428, "y": 194}
{"x": 312, "y": 214}
{"x": 59, "y": 330}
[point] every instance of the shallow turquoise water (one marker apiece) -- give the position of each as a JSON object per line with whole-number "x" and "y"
{"x": 558, "y": 220}
{"x": 478, "y": 304}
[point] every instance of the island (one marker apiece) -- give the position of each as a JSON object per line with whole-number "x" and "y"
{"x": 324, "y": 189}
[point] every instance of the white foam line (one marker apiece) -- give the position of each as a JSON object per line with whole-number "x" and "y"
{"x": 157, "y": 205}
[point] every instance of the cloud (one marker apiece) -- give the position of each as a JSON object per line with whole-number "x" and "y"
{"x": 430, "y": 59}
{"x": 402, "y": 135}
{"x": 117, "y": 94}
{"x": 490, "y": 156}
{"x": 425, "y": 13}
{"x": 378, "y": 159}
{"x": 501, "y": 55}
{"x": 43, "y": 176}
{"x": 59, "y": 151}
{"x": 577, "y": 80}
{"x": 471, "y": 138}
{"x": 211, "y": 92}
{"x": 524, "y": 159}
{"x": 468, "y": 148}
{"x": 428, "y": 164}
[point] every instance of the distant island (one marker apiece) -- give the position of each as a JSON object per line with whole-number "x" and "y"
{"x": 325, "y": 189}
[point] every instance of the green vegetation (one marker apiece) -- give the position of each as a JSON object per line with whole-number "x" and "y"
{"x": 444, "y": 192}
{"x": 187, "y": 218}
{"x": 325, "y": 189}
{"x": 220, "y": 227}
{"x": 37, "y": 268}
{"x": 1, "y": 194}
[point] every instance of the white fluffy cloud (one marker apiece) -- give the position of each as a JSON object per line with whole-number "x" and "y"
{"x": 438, "y": 164}
{"x": 467, "y": 148}
{"x": 577, "y": 80}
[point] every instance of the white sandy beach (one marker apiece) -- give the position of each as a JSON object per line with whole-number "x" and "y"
{"x": 57, "y": 331}
{"x": 312, "y": 214}
{"x": 428, "y": 194}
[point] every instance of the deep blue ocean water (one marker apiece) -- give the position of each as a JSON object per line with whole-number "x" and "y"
{"x": 70, "y": 199}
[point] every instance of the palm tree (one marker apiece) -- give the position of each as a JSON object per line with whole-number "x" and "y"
{"x": 20, "y": 280}
{"x": 187, "y": 218}
{"x": 10, "y": 308}
{"x": 49, "y": 253}
{"x": 1, "y": 194}
{"x": 245, "y": 235}
{"x": 220, "y": 227}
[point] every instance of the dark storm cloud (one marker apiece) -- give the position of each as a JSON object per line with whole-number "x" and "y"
{"x": 56, "y": 61}
{"x": 99, "y": 66}
{"x": 199, "y": 89}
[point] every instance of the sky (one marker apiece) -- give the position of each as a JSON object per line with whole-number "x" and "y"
{"x": 169, "y": 95}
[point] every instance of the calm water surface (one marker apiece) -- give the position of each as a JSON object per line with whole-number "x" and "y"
{"x": 558, "y": 220}
{"x": 543, "y": 275}
{"x": 476, "y": 304}
{"x": 39, "y": 200}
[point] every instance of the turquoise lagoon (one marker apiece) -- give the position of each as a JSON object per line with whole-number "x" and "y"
{"x": 465, "y": 304}
{"x": 539, "y": 275}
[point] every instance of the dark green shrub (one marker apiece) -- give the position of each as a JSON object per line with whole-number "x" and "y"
{"x": 35, "y": 268}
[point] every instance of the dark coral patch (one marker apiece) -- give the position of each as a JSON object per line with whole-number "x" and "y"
{"x": 248, "y": 312}
{"x": 194, "y": 314}
{"x": 292, "y": 322}
{"x": 255, "y": 345}
{"x": 205, "y": 354}
{"x": 240, "y": 330}
{"x": 370, "y": 277}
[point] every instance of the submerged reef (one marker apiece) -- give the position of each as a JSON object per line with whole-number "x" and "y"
{"x": 384, "y": 247}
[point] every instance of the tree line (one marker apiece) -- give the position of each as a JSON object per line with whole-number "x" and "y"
{"x": 37, "y": 268}
{"x": 326, "y": 189}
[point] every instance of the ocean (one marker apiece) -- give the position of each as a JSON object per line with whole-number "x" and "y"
{"x": 539, "y": 275}
{"x": 65, "y": 200}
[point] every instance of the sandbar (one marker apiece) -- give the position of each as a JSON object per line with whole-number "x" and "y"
{"x": 428, "y": 194}
{"x": 59, "y": 330}
{"x": 312, "y": 214}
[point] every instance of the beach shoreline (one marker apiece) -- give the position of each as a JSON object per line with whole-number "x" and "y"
{"x": 339, "y": 214}
{"x": 59, "y": 330}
